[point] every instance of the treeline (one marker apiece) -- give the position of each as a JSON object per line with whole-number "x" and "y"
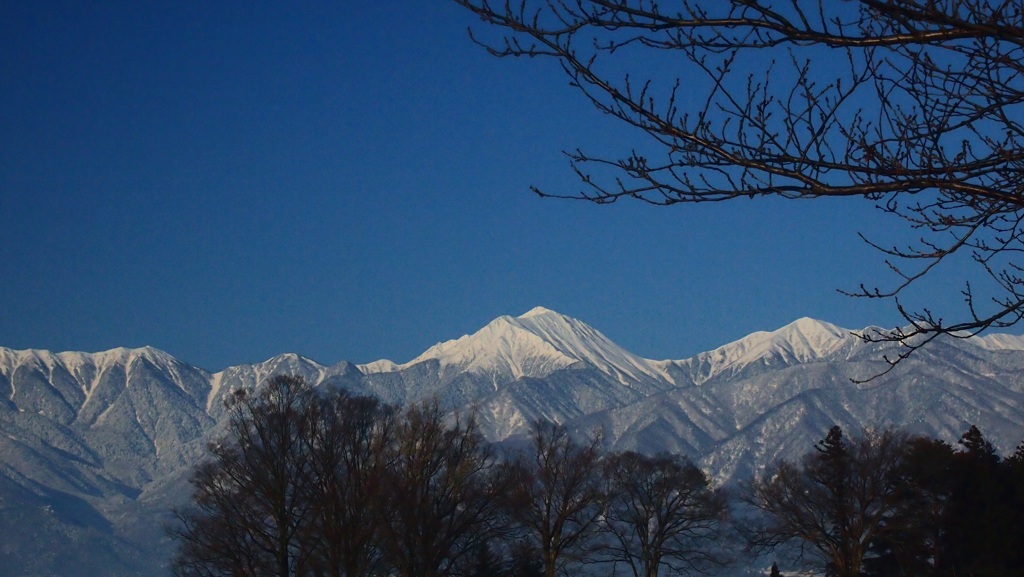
{"x": 306, "y": 482}
{"x": 891, "y": 504}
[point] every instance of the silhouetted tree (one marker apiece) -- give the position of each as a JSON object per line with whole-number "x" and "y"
{"x": 775, "y": 570}
{"x": 1013, "y": 468}
{"x": 977, "y": 448}
{"x": 838, "y": 501}
{"x": 350, "y": 437}
{"x": 525, "y": 560}
{"x": 978, "y": 516}
{"x": 485, "y": 562}
{"x": 439, "y": 496}
{"x": 661, "y": 514}
{"x": 250, "y": 501}
{"x": 912, "y": 544}
{"x": 960, "y": 514}
{"x": 554, "y": 494}
{"x": 916, "y": 106}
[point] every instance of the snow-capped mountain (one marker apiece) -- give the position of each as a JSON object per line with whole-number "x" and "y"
{"x": 1001, "y": 342}
{"x": 532, "y": 345}
{"x": 96, "y": 448}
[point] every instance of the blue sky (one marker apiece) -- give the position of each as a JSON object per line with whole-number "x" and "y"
{"x": 350, "y": 181}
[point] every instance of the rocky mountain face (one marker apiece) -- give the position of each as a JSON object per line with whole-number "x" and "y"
{"x": 96, "y": 448}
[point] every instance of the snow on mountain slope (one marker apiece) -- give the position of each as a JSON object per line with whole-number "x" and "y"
{"x": 802, "y": 341}
{"x": 248, "y": 376}
{"x": 1000, "y": 342}
{"x": 110, "y": 437}
{"x": 381, "y": 366}
{"x": 767, "y": 412}
{"x": 222, "y": 383}
{"x": 503, "y": 346}
{"x": 579, "y": 340}
{"x": 535, "y": 344}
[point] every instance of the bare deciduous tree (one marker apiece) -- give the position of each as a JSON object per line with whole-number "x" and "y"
{"x": 290, "y": 488}
{"x": 555, "y": 493}
{"x": 662, "y": 513}
{"x": 914, "y": 105}
{"x": 349, "y": 439}
{"x": 837, "y": 502}
{"x": 439, "y": 498}
{"x": 250, "y": 500}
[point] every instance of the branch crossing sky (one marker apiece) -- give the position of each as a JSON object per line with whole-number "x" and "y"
{"x": 228, "y": 181}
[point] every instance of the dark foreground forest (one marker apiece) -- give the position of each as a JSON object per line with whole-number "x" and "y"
{"x": 323, "y": 483}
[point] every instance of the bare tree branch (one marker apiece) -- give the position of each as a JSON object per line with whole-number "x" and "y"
{"x": 916, "y": 106}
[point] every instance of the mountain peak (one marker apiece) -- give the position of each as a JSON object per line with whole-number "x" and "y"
{"x": 1000, "y": 342}
{"x": 504, "y": 345}
{"x": 378, "y": 366}
{"x": 803, "y": 340}
{"x": 809, "y": 325}
{"x": 533, "y": 344}
{"x": 537, "y": 311}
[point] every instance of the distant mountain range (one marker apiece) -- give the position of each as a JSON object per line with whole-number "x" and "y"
{"x": 96, "y": 448}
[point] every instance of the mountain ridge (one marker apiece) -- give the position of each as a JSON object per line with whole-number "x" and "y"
{"x": 996, "y": 341}
{"x": 92, "y": 445}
